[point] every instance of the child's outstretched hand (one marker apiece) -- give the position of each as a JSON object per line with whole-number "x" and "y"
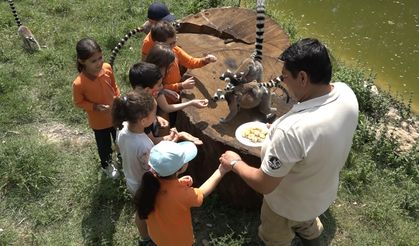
{"x": 186, "y": 180}
{"x": 189, "y": 83}
{"x": 199, "y": 103}
{"x": 163, "y": 122}
{"x": 210, "y": 58}
{"x": 184, "y": 136}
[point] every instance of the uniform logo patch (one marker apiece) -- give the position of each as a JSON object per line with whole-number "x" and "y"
{"x": 274, "y": 162}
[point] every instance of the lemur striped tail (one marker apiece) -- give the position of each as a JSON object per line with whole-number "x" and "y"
{"x": 260, "y": 29}
{"x": 276, "y": 82}
{"x": 12, "y": 6}
{"x": 121, "y": 43}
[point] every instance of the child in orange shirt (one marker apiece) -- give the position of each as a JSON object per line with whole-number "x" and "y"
{"x": 155, "y": 13}
{"x": 94, "y": 90}
{"x": 148, "y": 77}
{"x": 164, "y": 199}
{"x": 164, "y": 32}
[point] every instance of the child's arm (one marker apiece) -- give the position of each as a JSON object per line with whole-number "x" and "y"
{"x": 213, "y": 181}
{"x": 173, "y": 136}
{"x": 78, "y": 97}
{"x": 188, "y": 61}
{"x": 168, "y": 108}
{"x": 184, "y": 136}
{"x": 81, "y": 102}
{"x": 148, "y": 43}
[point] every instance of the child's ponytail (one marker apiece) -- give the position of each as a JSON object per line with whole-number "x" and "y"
{"x": 133, "y": 106}
{"x": 119, "y": 112}
{"x": 145, "y": 198}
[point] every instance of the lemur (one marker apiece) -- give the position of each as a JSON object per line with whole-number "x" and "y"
{"x": 273, "y": 83}
{"x": 131, "y": 33}
{"x": 251, "y": 94}
{"x": 121, "y": 43}
{"x": 29, "y": 41}
{"x": 243, "y": 89}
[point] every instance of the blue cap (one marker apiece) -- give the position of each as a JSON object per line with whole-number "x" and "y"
{"x": 167, "y": 157}
{"x": 159, "y": 11}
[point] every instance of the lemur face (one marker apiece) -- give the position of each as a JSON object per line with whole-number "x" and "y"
{"x": 230, "y": 78}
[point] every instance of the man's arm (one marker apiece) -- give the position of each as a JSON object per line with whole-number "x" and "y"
{"x": 254, "y": 177}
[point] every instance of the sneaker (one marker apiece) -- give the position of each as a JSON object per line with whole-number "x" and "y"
{"x": 111, "y": 171}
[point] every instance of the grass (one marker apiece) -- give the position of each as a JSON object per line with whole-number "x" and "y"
{"x": 52, "y": 191}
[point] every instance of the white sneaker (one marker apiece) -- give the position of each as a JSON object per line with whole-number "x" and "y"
{"x": 111, "y": 171}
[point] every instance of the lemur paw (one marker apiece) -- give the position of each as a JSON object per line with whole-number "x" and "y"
{"x": 269, "y": 118}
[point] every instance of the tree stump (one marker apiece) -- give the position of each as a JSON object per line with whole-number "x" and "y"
{"x": 229, "y": 34}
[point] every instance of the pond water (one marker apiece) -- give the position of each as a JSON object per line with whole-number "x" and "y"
{"x": 383, "y": 35}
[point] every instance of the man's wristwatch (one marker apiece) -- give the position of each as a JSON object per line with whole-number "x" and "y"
{"x": 233, "y": 162}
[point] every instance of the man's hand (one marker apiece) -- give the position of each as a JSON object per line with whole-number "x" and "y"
{"x": 227, "y": 158}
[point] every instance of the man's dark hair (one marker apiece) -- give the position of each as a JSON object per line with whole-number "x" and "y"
{"x": 144, "y": 75}
{"x": 310, "y": 56}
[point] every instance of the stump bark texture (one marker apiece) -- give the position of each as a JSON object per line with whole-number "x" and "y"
{"x": 229, "y": 34}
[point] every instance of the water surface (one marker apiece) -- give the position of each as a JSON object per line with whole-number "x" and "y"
{"x": 383, "y": 35}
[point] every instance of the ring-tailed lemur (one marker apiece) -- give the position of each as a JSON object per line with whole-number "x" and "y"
{"x": 29, "y": 41}
{"x": 121, "y": 43}
{"x": 273, "y": 83}
{"x": 243, "y": 89}
{"x": 251, "y": 68}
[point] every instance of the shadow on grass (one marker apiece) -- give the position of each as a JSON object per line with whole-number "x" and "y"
{"x": 221, "y": 224}
{"x": 329, "y": 224}
{"x": 107, "y": 202}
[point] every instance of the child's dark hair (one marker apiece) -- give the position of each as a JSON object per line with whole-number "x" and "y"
{"x": 134, "y": 106}
{"x": 144, "y": 75}
{"x": 85, "y": 48}
{"x": 161, "y": 55}
{"x": 145, "y": 197}
{"x": 162, "y": 31}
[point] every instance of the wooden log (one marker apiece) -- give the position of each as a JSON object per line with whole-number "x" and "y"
{"x": 207, "y": 32}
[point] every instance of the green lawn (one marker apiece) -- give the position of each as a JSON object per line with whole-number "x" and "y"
{"x": 53, "y": 193}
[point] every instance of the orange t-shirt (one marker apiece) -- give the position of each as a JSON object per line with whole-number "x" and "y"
{"x": 171, "y": 222}
{"x": 173, "y": 77}
{"x": 101, "y": 90}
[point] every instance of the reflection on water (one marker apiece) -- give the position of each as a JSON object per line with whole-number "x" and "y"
{"x": 383, "y": 35}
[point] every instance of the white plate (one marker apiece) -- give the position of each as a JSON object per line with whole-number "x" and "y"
{"x": 246, "y": 126}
